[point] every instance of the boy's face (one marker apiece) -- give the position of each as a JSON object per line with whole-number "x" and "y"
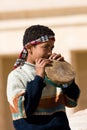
{"x": 43, "y": 50}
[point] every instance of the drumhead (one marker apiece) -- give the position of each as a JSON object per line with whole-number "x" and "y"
{"x": 60, "y": 72}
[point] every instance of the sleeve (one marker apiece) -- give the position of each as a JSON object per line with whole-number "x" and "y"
{"x": 15, "y": 95}
{"x": 23, "y": 99}
{"x": 33, "y": 94}
{"x": 71, "y": 94}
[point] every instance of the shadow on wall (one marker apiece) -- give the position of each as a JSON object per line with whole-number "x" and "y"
{"x": 6, "y": 65}
{"x": 79, "y": 62}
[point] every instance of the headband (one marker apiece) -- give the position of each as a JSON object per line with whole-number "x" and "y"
{"x": 41, "y": 40}
{"x": 23, "y": 55}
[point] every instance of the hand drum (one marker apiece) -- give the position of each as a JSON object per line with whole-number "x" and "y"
{"x": 60, "y": 72}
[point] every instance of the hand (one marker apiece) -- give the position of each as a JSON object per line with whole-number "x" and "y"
{"x": 55, "y": 56}
{"x": 40, "y": 66}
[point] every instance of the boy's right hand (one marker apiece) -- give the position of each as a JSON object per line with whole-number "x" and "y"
{"x": 40, "y": 66}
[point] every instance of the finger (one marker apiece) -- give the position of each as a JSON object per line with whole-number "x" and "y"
{"x": 61, "y": 58}
{"x": 42, "y": 62}
{"x": 39, "y": 60}
{"x": 45, "y": 61}
{"x": 55, "y": 56}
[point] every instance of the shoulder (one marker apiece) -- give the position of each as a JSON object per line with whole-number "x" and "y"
{"x": 16, "y": 75}
{"x": 15, "y": 72}
{"x": 16, "y": 80}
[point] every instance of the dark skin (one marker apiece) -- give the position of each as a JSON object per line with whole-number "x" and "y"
{"x": 41, "y": 55}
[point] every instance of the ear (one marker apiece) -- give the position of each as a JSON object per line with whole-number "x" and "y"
{"x": 29, "y": 48}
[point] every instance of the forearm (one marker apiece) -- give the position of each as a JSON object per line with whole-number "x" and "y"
{"x": 72, "y": 91}
{"x": 33, "y": 95}
{"x": 71, "y": 94}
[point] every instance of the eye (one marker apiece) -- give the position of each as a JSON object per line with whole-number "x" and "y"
{"x": 46, "y": 46}
{"x": 49, "y": 47}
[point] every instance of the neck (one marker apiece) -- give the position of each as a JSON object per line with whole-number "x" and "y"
{"x": 30, "y": 60}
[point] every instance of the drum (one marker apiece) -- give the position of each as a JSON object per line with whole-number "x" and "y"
{"x": 60, "y": 72}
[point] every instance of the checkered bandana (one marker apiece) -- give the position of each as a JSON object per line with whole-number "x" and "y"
{"x": 23, "y": 55}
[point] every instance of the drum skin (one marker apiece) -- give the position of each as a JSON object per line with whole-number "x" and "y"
{"x": 60, "y": 72}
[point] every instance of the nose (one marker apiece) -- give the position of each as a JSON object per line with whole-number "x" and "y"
{"x": 49, "y": 52}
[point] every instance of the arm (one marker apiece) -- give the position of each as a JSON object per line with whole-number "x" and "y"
{"x": 33, "y": 94}
{"x": 71, "y": 94}
{"x": 23, "y": 99}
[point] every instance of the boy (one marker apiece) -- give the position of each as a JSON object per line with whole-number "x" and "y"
{"x": 34, "y": 103}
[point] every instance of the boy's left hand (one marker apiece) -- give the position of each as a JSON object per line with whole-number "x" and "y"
{"x": 55, "y": 56}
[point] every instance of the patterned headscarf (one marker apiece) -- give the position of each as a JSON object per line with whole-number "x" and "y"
{"x": 23, "y": 55}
